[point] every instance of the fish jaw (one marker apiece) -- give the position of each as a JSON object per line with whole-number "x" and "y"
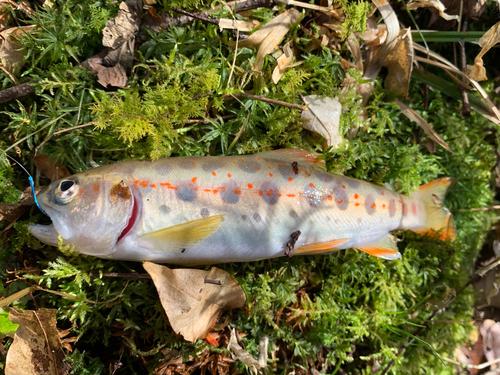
{"x": 45, "y": 233}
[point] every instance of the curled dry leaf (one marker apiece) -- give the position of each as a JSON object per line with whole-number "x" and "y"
{"x": 269, "y": 36}
{"x": 11, "y": 54}
{"x": 36, "y": 349}
{"x": 415, "y": 4}
{"x": 51, "y": 168}
{"x": 191, "y": 304}
{"x": 399, "y": 63}
{"x": 477, "y": 72}
{"x": 427, "y": 128}
{"x": 241, "y": 354}
{"x": 323, "y": 117}
{"x": 284, "y": 62}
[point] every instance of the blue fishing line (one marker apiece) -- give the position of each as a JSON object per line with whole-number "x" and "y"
{"x": 32, "y": 184}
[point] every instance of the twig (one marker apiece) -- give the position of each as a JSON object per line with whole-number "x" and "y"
{"x": 132, "y": 275}
{"x": 17, "y": 91}
{"x": 467, "y": 365}
{"x": 62, "y": 131}
{"x": 463, "y": 67}
{"x": 270, "y": 101}
{"x": 198, "y": 16}
{"x": 497, "y": 207}
{"x": 479, "y": 273}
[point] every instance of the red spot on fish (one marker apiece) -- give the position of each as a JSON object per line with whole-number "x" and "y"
{"x": 237, "y": 191}
{"x": 250, "y": 186}
{"x": 394, "y": 200}
{"x": 330, "y": 198}
{"x": 269, "y": 167}
{"x": 194, "y": 163}
{"x": 270, "y": 192}
{"x": 259, "y": 159}
{"x": 339, "y": 201}
{"x": 357, "y": 204}
{"x": 164, "y": 183}
{"x": 114, "y": 199}
{"x": 383, "y": 206}
{"x": 291, "y": 195}
{"x": 194, "y": 180}
{"x": 279, "y": 165}
{"x": 381, "y": 192}
{"x": 234, "y": 162}
{"x": 216, "y": 191}
{"x": 241, "y": 159}
{"x": 290, "y": 179}
{"x": 279, "y": 195}
{"x": 256, "y": 167}
{"x": 400, "y": 201}
{"x": 153, "y": 186}
{"x": 173, "y": 187}
{"x": 270, "y": 175}
{"x": 373, "y": 205}
{"x": 261, "y": 193}
{"x": 80, "y": 193}
{"x": 144, "y": 183}
{"x": 356, "y": 196}
{"x": 214, "y": 174}
{"x": 96, "y": 187}
{"x": 195, "y": 189}
{"x": 311, "y": 185}
{"x": 343, "y": 186}
{"x": 229, "y": 175}
{"x": 207, "y": 190}
{"x": 326, "y": 180}
{"x": 136, "y": 182}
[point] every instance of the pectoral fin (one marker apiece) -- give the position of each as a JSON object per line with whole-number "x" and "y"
{"x": 320, "y": 248}
{"x": 181, "y": 236}
{"x": 384, "y": 248}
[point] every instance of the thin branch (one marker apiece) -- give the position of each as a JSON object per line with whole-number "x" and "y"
{"x": 270, "y": 101}
{"x": 17, "y": 91}
{"x": 132, "y": 275}
{"x": 63, "y": 131}
{"x": 479, "y": 273}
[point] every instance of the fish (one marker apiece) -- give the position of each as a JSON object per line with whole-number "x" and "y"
{"x": 214, "y": 209}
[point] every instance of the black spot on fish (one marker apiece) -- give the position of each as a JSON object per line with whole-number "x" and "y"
{"x": 293, "y": 214}
{"x": 204, "y": 212}
{"x": 186, "y": 191}
{"x": 269, "y": 192}
{"x": 165, "y": 209}
{"x": 231, "y": 192}
{"x": 257, "y": 217}
{"x": 248, "y": 166}
{"x": 244, "y": 217}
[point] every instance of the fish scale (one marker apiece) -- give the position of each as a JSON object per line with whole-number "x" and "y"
{"x": 239, "y": 208}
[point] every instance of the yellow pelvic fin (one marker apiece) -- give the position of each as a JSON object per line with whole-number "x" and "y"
{"x": 384, "y": 248}
{"x": 320, "y": 248}
{"x": 182, "y": 236}
{"x": 291, "y": 155}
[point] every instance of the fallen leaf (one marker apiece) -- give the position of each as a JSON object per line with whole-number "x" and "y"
{"x": 415, "y": 4}
{"x": 191, "y": 304}
{"x": 283, "y": 62}
{"x": 119, "y": 34}
{"x": 399, "y": 63}
{"x": 107, "y": 76}
{"x": 490, "y": 331}
{"x": 51, "y": 168}
{"x": 10, "y": 213}
{"x": 323, "y": 117}
{"x": 241, "y": 354}
{"x": 269, "y": 36}
{"x": 477, "y": 72}
{"x": 11, "y": 54}
{"x": 36, "y": 349}
{"x": 426, "y": 127}
{"x": 226, "y": 23}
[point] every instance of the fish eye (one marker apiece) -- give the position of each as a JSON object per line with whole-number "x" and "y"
{"x": 66, "y": 191}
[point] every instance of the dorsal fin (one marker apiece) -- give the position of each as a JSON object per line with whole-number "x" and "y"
{"x": 291, "y": 155}
{"x": 181, "y": 236}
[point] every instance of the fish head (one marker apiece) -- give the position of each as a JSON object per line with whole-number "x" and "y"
{"x": 90, "y": 211}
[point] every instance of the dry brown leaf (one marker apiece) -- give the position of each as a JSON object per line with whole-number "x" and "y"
{"x": 11, "y": 57}
{"x": 36, "y": 349}
{"x": 51, "y": 168}
{"x": 191, "y": 304}
{"x": 488, "y": 40}
{"x": 241, "y": 354}
{"x": 323, "y": 117}
{"x": 10, "y": 213}
{"x": 283, "y": 62}
{"x": 427, "y": 128}
{"x": 119, "y": 34}
{"x": 227, "y": 23}
{"x": 5, "y": 16}
{"x": 415, "y": 4}
{"x": 399, "y": 63}
{"x": 269, "y": 36}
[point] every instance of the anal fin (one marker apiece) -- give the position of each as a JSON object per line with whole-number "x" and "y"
{"x": 384, "y": 248}
{"x": 181, "y": 236}
{"x": 320, "y": 248}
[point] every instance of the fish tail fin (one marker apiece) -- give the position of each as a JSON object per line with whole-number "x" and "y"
{"x": 438, "y": 218}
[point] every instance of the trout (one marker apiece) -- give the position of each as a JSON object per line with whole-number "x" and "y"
{"x": 232, "y": 209}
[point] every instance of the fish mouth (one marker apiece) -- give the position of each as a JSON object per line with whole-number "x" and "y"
{"x": 45, "y": 233}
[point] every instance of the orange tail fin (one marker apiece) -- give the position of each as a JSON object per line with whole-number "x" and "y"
{"x": 438, "y": 217}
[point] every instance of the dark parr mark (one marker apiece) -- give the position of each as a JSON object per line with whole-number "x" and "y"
{"x": 392, "y": 208}
{"x": 324, "y": 177}
{"x": 244, "y": 217}
{"x": 120, "y": 191}
{"x": 352, "y": 182}
{"x": 287, "y": 172}
{"x": 204, "y": 212}
{"x": 341, "y": 198}
{"x": 187, "y": 163}
{"x": 212, "y": 165}
{"x": 370, "y": 206}
{"x": 405, "y": 209}
{"x": 248, "y": 166}
{"x": 270, "y": 192}
{"x": 290, "y": 245}
{"x": 186, "y": 191}
{"x": 257, "y": 217}
{"x": 164, "y": 209}
{"x": 293, "y": 214}
{"x": 229, "y": 193}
